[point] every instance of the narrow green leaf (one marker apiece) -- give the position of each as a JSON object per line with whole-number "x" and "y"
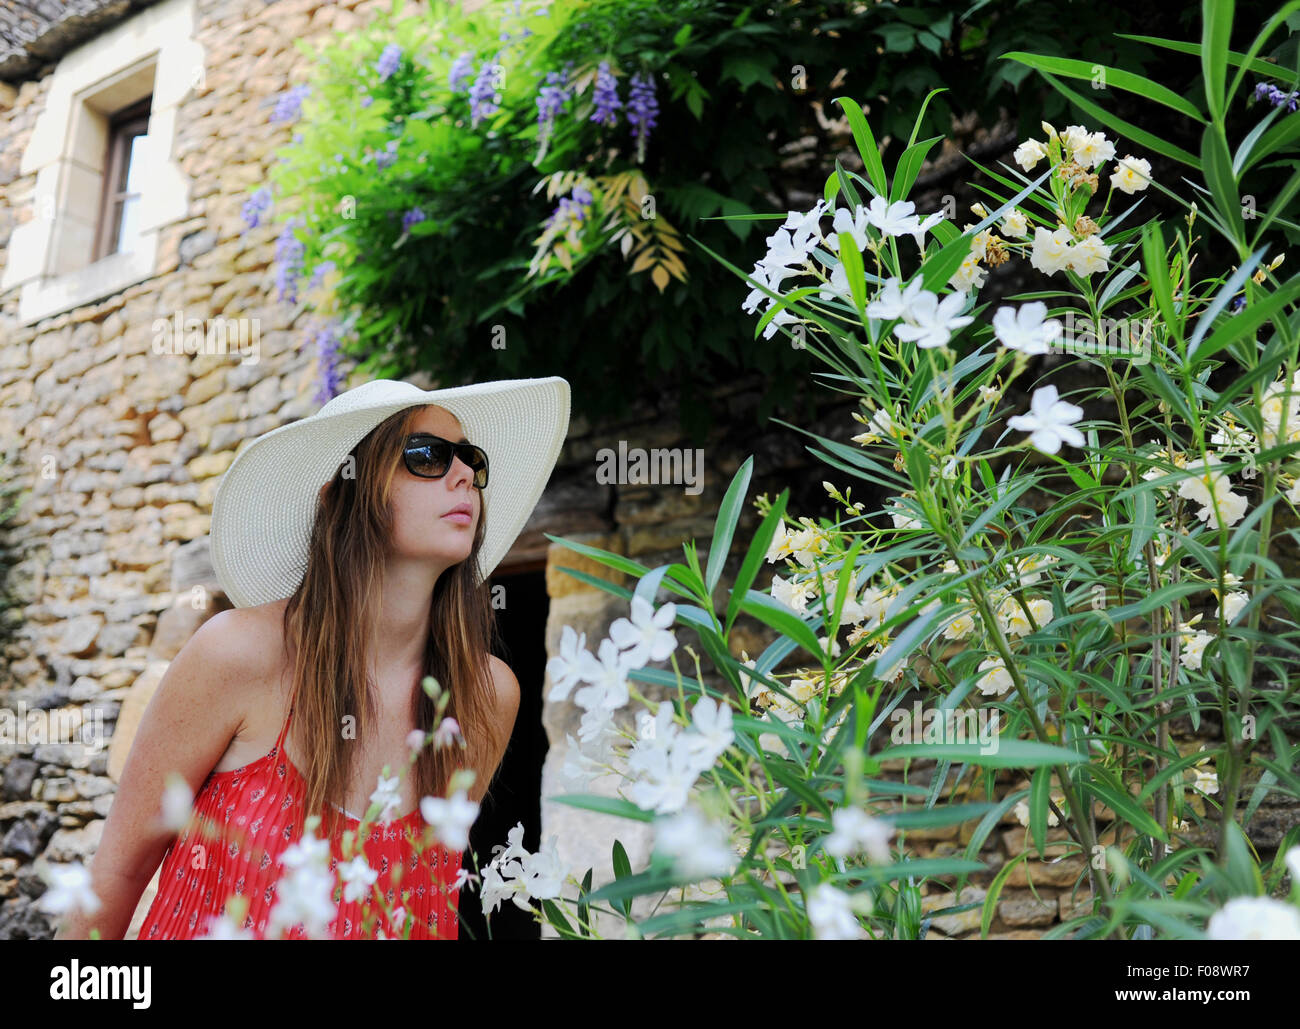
{"x": 943, "y": 264}
{"x": 1162, "y": 288}
{"x": 1247, "y": 145}
{"x": 622, "y": 870}
{"x": 995, "y": 891}
{"x": 851, "y": 261}
{"x": 755, "y": 557}
{"x": 1234, "y": 57}
{"x": 772, "y": 613}
{"x": 940, "y": 815}
{"x": 1038, "y": 797}
{"x": 1244, "y": 324}
{"x": 1216, "y": 28}
{"x": 909, "y": 167}
{"x": 1239, "y": 865}
{"x": 1120, "y": 801}
{"x": 725, "y": 527}
{"x": 1221, "y": 301}
{"x": 1216, "y": 164}
{"x": 916, "y": 125}
{"x": 561, "y": 924}
{"x": 1124, "y": 128}
{"x": 584, "y": 909}
{"x": 1009, "y": 753}
{"x": 1115, "y": 78}
{"x": 615, "y": 561}
{"x": 1144, "y": 523}
{"x": 615, "y": 806}
{"x": 1281, "y": 135}
{"x": 866, "y": 141}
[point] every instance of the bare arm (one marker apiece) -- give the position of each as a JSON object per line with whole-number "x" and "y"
{"x": 507, "y": 694}
{"x": 186, "y": 727}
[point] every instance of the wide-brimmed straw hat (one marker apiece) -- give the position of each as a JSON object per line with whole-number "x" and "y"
{"x": 265, "y": 506}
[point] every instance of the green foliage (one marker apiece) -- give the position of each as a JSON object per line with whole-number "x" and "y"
{"x": 1196, "y": 613}
{"x": 480, "y": 289}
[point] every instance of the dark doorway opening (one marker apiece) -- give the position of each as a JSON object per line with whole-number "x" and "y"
{"x": 520, "y": 602}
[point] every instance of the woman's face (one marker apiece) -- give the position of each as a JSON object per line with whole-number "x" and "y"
{"x": 420, "y": 506}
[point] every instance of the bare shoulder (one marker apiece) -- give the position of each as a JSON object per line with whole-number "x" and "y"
{"x": 507, "y": 686}
{"x": 247, "y": 639}
{"x": 247, "y": 644}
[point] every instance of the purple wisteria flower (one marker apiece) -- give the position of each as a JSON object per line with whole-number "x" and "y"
{"x": 605, "y": 97}
{"x": 551, "y": 99}
{"x": 385, "y": 158}
{"x": 642, "y": 109}
{"x": 256, "y": 206}
{"x": 389, "y": 61}
{"x": 460, "y": 73}
{"x": 288, "y": 261}
{"x": 289, "y": 104}
{"x": 484, "y": 100}
{"x": 1276, "y": 97}
{"x": 326, "y": 341}
{"x": 411, "y": 217}
{"x": 575, "y": 207}
{"x": 318, "y": 274}
{"x": 367, "y": 100}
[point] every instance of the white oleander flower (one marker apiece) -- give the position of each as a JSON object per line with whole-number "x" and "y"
{"x": 830, "y": 911}
{"x": 1255, "y": 918}
{"x": 1089, "y": 255}
{"x": 1015, "y": 224}
{"x": 1027, "y": 328}
{"x": 70, "y": 890}
{"x": 996, "y": 680}
{"x": 1029, "y": 153}
{"x": 855, "y": 832}
{"x": 1052, "y": 251}
{"x": 1131, "y": 174}
{"x": 1050, "y": 421}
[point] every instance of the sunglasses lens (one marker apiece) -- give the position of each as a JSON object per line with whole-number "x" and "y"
{"x": 476, "y": 459}
{"x": 430, "y": 458}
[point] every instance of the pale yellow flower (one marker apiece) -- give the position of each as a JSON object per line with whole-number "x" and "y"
{"x": 996, "y": 680}
{"x": 960, "y": 627}
{"x": 1131, "y": 174}
{"x": 1029, "y": 153}
{"x": 1089, "y": 255}
{"x": 1015, "y": 224}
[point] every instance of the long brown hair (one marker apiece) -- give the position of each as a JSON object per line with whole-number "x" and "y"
{"x": 329, "y": 628}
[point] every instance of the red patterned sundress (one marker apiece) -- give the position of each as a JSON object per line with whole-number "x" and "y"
{"x": 256, "y": 812}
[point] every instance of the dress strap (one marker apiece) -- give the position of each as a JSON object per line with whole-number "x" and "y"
{"x": 279, "y": 743}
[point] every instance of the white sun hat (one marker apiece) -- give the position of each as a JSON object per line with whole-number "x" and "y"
{"x": 265, "y": 506}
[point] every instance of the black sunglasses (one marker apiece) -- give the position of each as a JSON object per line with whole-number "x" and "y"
{"x": 429, "y": 457}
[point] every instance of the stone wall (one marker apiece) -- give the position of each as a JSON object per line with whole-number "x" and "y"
{"x": 123, "y": 448}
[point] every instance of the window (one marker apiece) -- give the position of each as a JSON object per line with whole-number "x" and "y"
{"x": 109, "y": 193}
{"x": 119, "y": 218}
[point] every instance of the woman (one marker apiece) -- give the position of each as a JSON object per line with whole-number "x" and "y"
{"x": 355, "y": 545}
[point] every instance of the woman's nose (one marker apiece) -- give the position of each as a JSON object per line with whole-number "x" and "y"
{"x": 460, "y": 471}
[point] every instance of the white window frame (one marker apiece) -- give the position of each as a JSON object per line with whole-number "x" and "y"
{"x": 151, "y": 54}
